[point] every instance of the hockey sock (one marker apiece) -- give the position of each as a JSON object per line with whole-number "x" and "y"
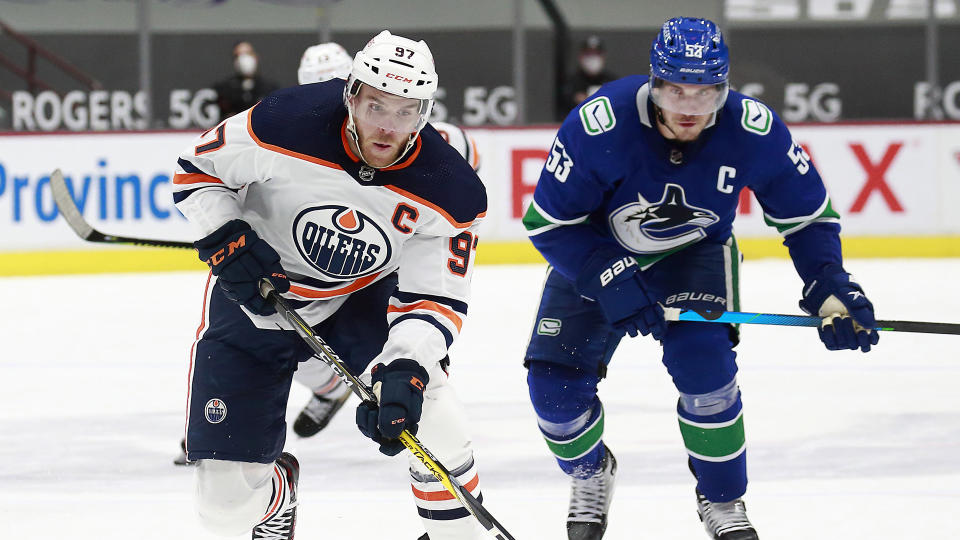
{"x": 716, "y": 444}
{"x": 569, "y": 414}
{"x": 442, "y": 515}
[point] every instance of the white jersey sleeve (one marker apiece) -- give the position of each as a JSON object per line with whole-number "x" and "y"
{"x": 213, "y": 170}
{"x": 427, "y": 311}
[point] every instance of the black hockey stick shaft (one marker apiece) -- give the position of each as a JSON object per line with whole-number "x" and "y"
{"x": 364, "y": 392}
{"x": 739, "y": 317}
{"x": 71, "y": 214}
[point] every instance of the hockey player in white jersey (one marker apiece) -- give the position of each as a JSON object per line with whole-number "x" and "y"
{"x": 320, "y": 63}
{"x": 365, "y": 220}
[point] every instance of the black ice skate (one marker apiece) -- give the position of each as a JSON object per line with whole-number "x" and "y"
{"x": 725, "y": 521}
{"x": 590, "y": 500}
{"x": 281, "y": 521}
{"x": 182, "y": 458}
{"x": 318, "y": 412}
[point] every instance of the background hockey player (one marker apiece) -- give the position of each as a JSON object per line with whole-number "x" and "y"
{"x": 365, "y": 220}
{"x": 634, "y": 210}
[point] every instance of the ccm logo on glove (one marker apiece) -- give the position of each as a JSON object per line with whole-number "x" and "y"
{"x": 399, "y": 387}
{"x": 218, "y": 257}
{"x": 240, "y": 259}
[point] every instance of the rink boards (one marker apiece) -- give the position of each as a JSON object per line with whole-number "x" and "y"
{"x": 895, "y": 186}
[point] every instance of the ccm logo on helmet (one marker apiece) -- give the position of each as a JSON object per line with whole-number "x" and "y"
{"x": 400, "y": 78}
{"x": 341, "y": 242}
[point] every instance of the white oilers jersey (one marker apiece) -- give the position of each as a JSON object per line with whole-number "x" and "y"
{"x": 285, "y": 167}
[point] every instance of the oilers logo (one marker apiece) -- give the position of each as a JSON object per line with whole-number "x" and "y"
{"x": 340, "y": 242}
{"x": 215, "y": 411}
{"x": 671, "y": 222}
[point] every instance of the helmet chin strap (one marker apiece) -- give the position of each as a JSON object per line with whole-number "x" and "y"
{"x": 662, "y": 120}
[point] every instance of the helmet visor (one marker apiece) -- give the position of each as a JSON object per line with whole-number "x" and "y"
{"x": 384, "y": 111}
{"x": 692, "y": 99}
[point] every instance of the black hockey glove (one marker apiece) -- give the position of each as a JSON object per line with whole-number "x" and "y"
{"x": 240, "y": 259}
{"x": 400, "y": 386}
{"x": 617, "y": 288}
{"x": 848, "y": 320}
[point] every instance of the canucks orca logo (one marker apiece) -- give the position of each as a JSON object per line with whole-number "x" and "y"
{"x": 341, "y": 242}
{"x": 643, "y": 227}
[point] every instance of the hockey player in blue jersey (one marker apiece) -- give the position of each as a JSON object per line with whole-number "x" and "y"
{"x": 634, "y": 212}
{"x": 365, "y": 220}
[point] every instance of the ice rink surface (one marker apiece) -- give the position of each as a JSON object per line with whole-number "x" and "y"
{"x": 841, "y": 445}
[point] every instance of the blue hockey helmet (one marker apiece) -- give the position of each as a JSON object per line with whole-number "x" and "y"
{"x": 690, "y": 51}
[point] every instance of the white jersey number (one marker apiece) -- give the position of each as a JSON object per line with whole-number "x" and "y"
{"x": 558, "y": 162}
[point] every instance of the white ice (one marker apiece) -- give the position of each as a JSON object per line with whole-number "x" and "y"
{"x": 841, "y": 445}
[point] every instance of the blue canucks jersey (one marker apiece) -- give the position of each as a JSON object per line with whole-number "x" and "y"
{"x": 613, "y": 185}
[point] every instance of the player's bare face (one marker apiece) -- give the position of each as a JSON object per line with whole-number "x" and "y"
{"x": 384, "y": 123}
{"x": 682, "y": 127}
{"x": 686, "y": 108}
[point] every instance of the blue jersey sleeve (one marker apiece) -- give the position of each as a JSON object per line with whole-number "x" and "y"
{"x": 572, "y": 185}
{"x": 795, "y": 201}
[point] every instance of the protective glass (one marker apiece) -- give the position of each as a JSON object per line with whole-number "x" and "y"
{"x": 389, "y": 112}
{"x": 692, "y": 99}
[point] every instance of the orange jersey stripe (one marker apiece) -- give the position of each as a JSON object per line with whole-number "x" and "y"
{"x": 315, "y": 294}
{"x": 474, "y": 155}
{"x": 439, "y": 210}
{"x": 284, "y": 151}
{"x": 409, "y": 160}
{"x": 443, "y": 495}
{"x": 432, "y": 306}
{"x": 195, "y": 178}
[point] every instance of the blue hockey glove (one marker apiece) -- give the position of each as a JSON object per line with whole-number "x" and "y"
{"x": 848, "y": 320}
{"x": 400, "y": 386}
{"x": 617, "y": 288}
{"x": 240, "y": 259}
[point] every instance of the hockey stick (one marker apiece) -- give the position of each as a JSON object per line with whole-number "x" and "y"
{"x": 738, "y": 317}
{"x": 68, "y": 209}
{"x": 70, "y": 212}
{"x": 329, "y": 357}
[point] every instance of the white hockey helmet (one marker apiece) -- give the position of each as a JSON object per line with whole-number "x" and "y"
{"x": 324, "y": 62}
{"x": 398, "y": 66}
{"x": 460, "y": 140}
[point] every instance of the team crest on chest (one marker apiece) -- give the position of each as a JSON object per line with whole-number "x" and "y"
{"x": 644, "y": 227}
{"x": 340, "y": 241}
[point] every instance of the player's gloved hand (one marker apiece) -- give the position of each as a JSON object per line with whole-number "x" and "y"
{"x": 616, "y": 286}
{"x": 848, "y": 320}
{"x": 240, "y": 259}
{"x": 399, "y": 385}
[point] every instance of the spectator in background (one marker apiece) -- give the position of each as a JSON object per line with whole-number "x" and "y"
{"x": 591, "y": 72}
{"x": 245, "y": 87}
